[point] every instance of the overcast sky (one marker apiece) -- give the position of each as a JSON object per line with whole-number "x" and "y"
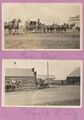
{"x": 59, "y": 68}
{"x": 48, "y": 13}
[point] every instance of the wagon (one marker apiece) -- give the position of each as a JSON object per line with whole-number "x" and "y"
{"x": 34, "y": 26}
{"x": 42, "y": 84}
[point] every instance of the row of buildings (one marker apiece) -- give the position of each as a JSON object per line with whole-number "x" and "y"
{"x": 74, "y": 20}
{"x": 24, "y": 79}
{"x": 71, "y": 79}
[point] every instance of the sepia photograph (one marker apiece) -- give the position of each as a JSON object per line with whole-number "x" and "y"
{"x": 41, "y": 83}
{"x": 42, "y": 26}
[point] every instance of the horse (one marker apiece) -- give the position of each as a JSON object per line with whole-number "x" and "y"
{"x": 78, "y": 28}
{"x": 9, "y": 88}
{"x": 71, "y": 26}
{"x": 60, "y": 28}
{"x": 9, "y": 25}
{"x": 14, "y": 24}
{"x": 51, "y": 28}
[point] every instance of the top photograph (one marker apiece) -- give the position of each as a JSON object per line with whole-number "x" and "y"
{"x": 42, "y": 26}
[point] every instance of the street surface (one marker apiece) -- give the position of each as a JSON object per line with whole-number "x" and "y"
{"x": 56, "y": 95}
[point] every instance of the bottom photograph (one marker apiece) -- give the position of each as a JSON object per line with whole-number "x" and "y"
{"x": 41, "y": 83}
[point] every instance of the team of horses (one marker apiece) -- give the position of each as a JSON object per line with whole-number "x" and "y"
{"x": 14, "y": 26}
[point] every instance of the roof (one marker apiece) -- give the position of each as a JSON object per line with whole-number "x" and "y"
{"x": 78, "y": 16}
{"x": 75, "y": 73}
{"x": 18, "y": 72}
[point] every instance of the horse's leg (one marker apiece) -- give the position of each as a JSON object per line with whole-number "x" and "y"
{"x": 51, "y": 30}
{"x": 44, "y": 30}
{"x": 6, "y": 89}
{"x": 14, "y": 32}
{"x": 35, "y": 29}
{"x": 17, "y": 31}
{"x": 48, "y": 30}
{"x": 10, "y": 31}
{"x": 26, "y": 30}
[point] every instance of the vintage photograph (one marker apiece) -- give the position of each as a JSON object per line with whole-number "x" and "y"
{"x": 42, "y": 83}
{"x": 42, "y": 26}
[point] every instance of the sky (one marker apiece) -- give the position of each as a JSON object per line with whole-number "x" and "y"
{"x": 59, "y": 68}
{"x": 48, "y": 13}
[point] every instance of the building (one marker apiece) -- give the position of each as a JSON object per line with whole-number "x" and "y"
{"x": 20, "y": 78}
{"x": 49, "y": 78}
{"x": 74, "y": 77}
{"x": 74, "y": 20}
{"x": 59, "y": 82}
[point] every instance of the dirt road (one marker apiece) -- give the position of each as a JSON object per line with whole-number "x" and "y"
{"x": 59, "y": 95}
{"x": 43, "y": 41}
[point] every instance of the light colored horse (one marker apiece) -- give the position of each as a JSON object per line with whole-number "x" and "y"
{"x": 12, "y": 25}
{"x": 16, "y": 26}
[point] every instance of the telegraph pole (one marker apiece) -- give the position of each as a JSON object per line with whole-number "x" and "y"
{"x": 47, "y": 70}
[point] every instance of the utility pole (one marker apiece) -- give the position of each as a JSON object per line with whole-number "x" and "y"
{"x": 47, "y": 70}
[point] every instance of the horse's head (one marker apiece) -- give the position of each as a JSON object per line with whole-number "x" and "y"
{"x": 14, "y": 20}
{"x": 19, "y": 20}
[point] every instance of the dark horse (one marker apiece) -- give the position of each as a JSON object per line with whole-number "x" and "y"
{"x": 10, "y": 88}
{"x": 12, "y": 25}
{"x": 50, "y": 28}
{"x": 78, "y": 28}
